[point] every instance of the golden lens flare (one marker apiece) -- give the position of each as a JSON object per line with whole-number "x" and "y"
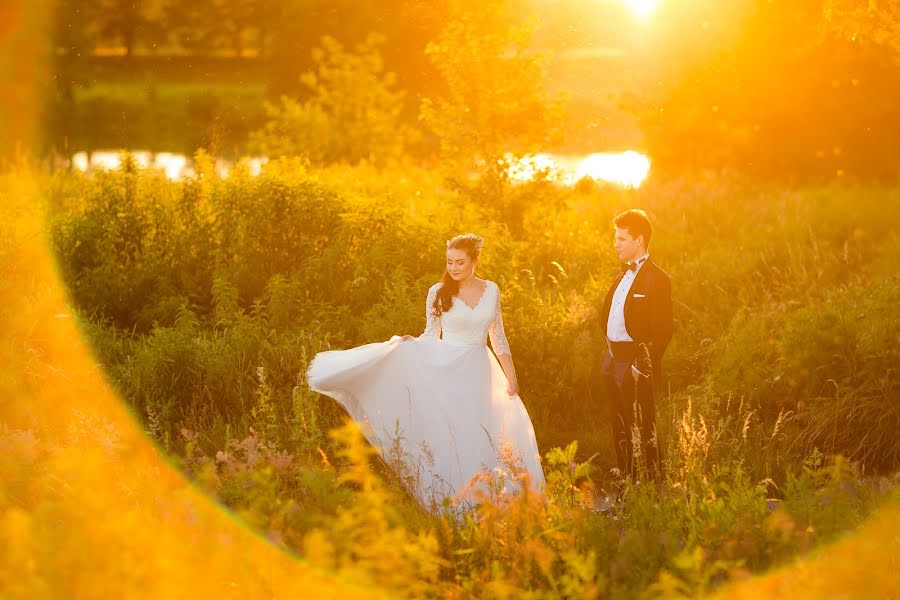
{"x": 642, "y": 8}
{"x": 89, "y": 506}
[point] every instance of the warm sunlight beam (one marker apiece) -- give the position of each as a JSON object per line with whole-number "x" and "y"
{"x": 641, "y": 8}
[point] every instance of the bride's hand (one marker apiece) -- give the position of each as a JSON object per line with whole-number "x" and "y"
{"x": 512, "y": 389}
{"x": 407, "y": 337}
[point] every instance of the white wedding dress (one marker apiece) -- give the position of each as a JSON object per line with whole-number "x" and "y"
{"x": 436, "y": 407}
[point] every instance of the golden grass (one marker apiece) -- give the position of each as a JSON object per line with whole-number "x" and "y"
{"x": 88, "y": 503}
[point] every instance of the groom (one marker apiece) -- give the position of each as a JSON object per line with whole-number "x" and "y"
{"x": 636, "y": 320}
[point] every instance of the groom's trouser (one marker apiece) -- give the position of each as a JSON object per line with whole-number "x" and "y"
{"x": 632, "y": 411}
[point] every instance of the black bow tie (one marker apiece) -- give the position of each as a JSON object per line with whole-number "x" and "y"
{"x": 631, "y": 266}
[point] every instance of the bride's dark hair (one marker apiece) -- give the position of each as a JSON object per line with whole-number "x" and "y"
{"x": 469, "y": 243}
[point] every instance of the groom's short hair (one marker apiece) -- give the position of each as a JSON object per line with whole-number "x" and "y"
{"x": 637, "y": 223}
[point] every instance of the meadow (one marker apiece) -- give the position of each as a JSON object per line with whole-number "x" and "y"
{"x": 157, "y": 435}
{"x": 204, "y": 301}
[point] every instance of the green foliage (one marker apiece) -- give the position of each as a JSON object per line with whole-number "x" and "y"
{"x": 203, "y": 25}
{"x": 350, "y": 115}
{"x": 831, "y": 362}
{"x": 496, "y": 100}
{"x": 565, "y": 475}
{"x": 367, "y": 541}
{"x": 875, "y": 22}
{"x": 250, "y": 277}
{"x": 824, "y": 495}
{"x": 681, "y": 539}
{"x": 767, "y": 316}
{"x": 154, "y": 113}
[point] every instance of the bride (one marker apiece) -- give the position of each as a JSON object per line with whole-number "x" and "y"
{"x": 439, "y": 408}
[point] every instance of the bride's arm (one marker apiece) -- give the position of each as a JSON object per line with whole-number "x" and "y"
{"x": 506, "y": 361}
{"x": 432, "y": 321}
{"x": 501, "y": 348}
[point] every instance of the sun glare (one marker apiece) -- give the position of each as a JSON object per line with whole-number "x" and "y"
{"x": 641, "y": 8}
{"x": 628, "y": 169}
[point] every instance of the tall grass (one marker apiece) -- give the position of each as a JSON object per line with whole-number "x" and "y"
{"x": 783, "y": 301}
{"x": 205, "y": 301}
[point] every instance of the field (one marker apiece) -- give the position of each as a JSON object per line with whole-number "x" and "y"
{"x": 158, "y": 436}
{"x": 203, "y": 301}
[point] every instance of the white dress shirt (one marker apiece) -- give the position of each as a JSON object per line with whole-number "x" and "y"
{"x": 615, "y": 326}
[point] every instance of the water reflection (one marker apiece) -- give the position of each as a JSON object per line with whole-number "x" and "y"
{"x": 628, "y": 169}
{"x": 175, "y": 166}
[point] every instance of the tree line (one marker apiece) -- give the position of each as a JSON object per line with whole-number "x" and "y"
{"x": 779, "y": 90}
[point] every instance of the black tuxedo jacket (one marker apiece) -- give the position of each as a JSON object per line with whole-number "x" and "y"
{"x": 648, "y": 311}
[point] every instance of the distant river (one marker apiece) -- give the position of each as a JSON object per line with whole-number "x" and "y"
{"x": 628, "y": 169}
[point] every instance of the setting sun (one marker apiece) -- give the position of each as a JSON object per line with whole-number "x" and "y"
{"x": 641, "y": 8}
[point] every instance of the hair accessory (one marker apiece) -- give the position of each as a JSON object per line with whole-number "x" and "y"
{"x": 477, "y": 241}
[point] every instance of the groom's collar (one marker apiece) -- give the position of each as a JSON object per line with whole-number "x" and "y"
{"x": 641, "y": 260}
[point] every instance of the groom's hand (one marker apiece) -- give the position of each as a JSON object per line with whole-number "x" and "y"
{"x": 643, "y": 364}
{"x": 636, "y": 373}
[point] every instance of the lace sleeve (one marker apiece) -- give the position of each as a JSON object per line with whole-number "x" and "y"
{"x": 432, "y": 321}
{"x": 498, "y": 337}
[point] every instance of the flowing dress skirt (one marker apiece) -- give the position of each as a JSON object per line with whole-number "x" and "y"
{"x": 438, "y": 412}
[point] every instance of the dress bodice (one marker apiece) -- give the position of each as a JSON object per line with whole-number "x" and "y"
{"x": 465, "y": 325}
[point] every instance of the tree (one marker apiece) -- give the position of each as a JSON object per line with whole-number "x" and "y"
{"x": 129, "y": 21}
{"x": 351, "y": 114}
{"x": 496, "y": 102}
{"x": 206, "y": 25}
{"x": 73, "y": 36}
{"x": 292, "y": 27}
{"x": 878, "y": 22}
